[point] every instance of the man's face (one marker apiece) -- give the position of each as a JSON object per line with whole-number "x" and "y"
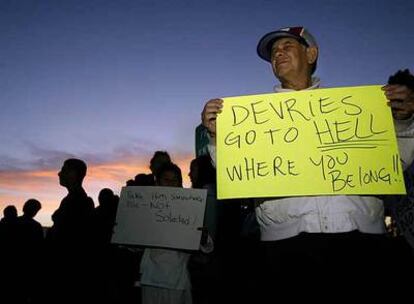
{"x": 66, "y": 176}
{"x": 289, "y": 59}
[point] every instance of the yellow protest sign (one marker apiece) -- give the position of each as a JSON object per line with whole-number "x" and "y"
{"x": 313, "y": 142}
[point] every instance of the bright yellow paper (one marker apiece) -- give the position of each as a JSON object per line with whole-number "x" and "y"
{"x": 315, "y": 142}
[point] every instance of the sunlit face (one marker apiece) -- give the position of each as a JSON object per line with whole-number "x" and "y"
{"x": 289, "y": 58}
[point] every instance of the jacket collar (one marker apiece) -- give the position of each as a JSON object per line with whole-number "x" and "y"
{"x": 315, "y": 85}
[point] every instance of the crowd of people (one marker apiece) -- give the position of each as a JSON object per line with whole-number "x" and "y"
{"x": 75, "y": 259}
{"x": 263, "y": 248}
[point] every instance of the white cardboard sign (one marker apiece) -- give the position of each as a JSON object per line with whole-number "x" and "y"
{"x": 160, "y": 216}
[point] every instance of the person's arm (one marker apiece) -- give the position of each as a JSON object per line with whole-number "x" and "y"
{"x": 202, "y": 140}
{"x": 209, "y": 115}
{"x": 208, "y": 119}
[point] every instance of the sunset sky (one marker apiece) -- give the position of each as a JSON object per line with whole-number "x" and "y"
{"x": 111, "y": 82}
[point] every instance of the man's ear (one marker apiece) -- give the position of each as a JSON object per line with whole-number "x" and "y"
{"x": 311, "y": 54}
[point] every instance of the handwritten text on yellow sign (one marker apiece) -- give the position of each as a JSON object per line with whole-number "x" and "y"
{"x": 315, "y": 142}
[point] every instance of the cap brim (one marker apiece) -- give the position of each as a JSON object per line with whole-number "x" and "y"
{"x": 264, "y": 47}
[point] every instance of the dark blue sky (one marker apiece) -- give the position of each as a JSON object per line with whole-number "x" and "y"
{"x": 108, "y": 80}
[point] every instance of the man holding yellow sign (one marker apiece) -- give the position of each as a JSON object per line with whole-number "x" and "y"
{"x": 325, "y": 144}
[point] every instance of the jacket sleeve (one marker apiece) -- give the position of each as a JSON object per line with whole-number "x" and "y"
{"x": 405, "y": 138}
{"x": 202, "y": 140}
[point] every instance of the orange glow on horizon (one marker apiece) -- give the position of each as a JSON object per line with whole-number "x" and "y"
{"x": 16, "y": 187}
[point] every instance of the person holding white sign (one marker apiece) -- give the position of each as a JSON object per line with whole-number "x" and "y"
{"x": 164, "y": 274}
{"x": 314, "y": 238}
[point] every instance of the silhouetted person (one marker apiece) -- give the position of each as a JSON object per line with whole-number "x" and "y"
{"x": 204, "y": 268}
{"x": 8, "y": 226}
{"x": 106, "y": 254}
{"x": 203, "y": 176}
{"x": 30, "y": 252}
{"x": 105, "y": 214}
{"x": 30, "y": 230}
{"x": 9, "y": 282}
{"x": 70, "y": 237}
{"x": 228, "y": 269}
{"x": 72, "y": 220}
{"x": 8, "y": 233}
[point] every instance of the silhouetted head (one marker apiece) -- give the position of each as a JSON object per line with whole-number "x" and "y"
{"x": 402, "y": 77}
{"x": 10, "y": 212}
{"x": 72, "y": 173}
{"x": 130, "y": 182}
{"x": 169, "y": 175}
{"x": 158, "y": 160}
{"x": 105, "y": 197}
{"x": 31, "y": 207}
{"x": 143, "y": 179}
{"x": 202, "y": 172}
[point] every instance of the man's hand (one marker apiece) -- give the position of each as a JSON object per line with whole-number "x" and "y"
{"x": 209, "y": 115}
{"x": 401, "y": 100}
